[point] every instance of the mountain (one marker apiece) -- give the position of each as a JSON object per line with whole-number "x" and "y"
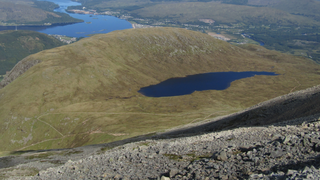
{"x": 225, "y": 12}
{"x": 16, "y": 13}
{"x": 188, "y": 12}
{"x": 307, "y": 8}
{"x": 16, "y": 45}
{"x": 86, "y": 92}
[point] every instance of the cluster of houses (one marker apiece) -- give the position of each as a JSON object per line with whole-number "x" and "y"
{"x": 65, "y": 39}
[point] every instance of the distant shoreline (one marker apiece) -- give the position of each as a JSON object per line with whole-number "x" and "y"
{"x": 40, "y": 25}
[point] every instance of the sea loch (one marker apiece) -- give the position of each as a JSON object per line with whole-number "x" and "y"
{"x": 93, "y": 24}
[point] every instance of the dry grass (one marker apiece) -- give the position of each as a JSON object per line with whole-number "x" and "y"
{"x": 86, "y": 92}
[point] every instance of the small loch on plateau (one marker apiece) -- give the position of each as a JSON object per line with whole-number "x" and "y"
{"x": 198, "y": 82}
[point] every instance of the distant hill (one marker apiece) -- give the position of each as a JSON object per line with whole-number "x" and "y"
{"x": 307, "y": 8}
{"x": 86, "y": 92}
{"x": 16, "y": 45}
{"x": 284, "y": 12}
{"x": 23, "y": 14}
{"x": 289, "y": 26}
{"x": 187, "y": 12}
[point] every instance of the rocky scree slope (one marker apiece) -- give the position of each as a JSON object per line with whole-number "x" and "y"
{"x": 289, "y": 150}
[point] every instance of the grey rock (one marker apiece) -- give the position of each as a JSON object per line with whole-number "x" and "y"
{"x": 256, "y": 161}
{"x": 315, "y": 140}
{"x": 286, "y": 140}
{"x": 216, "y": 166}
{"x": 256, "y": 176}
{"x": 222, "y": 156}
{"x": 291, "y": 172}
{"x": 164, "y": 178}
{"x": 277, "y": 154}
{"x": 173, "y": 172}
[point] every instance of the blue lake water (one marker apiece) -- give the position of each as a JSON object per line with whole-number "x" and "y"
{"x": 198, "y": 82}
{"x": 93, "y": 24}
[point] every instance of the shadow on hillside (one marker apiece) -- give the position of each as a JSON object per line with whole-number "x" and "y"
{"x": 303, "y": 106}
{"x": 300, "y": 165}
{"x": 300, "y": 106}
{"x": 14, "y": 157}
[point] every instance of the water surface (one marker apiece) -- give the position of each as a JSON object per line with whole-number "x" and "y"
{"x": 198, "y": 82}
{"x": 93, "y": 24}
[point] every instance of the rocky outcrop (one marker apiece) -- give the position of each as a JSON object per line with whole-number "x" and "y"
{"x": 17, "y": 70}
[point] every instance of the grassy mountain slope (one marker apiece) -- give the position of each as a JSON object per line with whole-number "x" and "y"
{"x": 16, "y": 45}
{"x": 86, "y": 92}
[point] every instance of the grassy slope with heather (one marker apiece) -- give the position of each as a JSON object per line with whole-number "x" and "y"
{"x": 86, "y": 92}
